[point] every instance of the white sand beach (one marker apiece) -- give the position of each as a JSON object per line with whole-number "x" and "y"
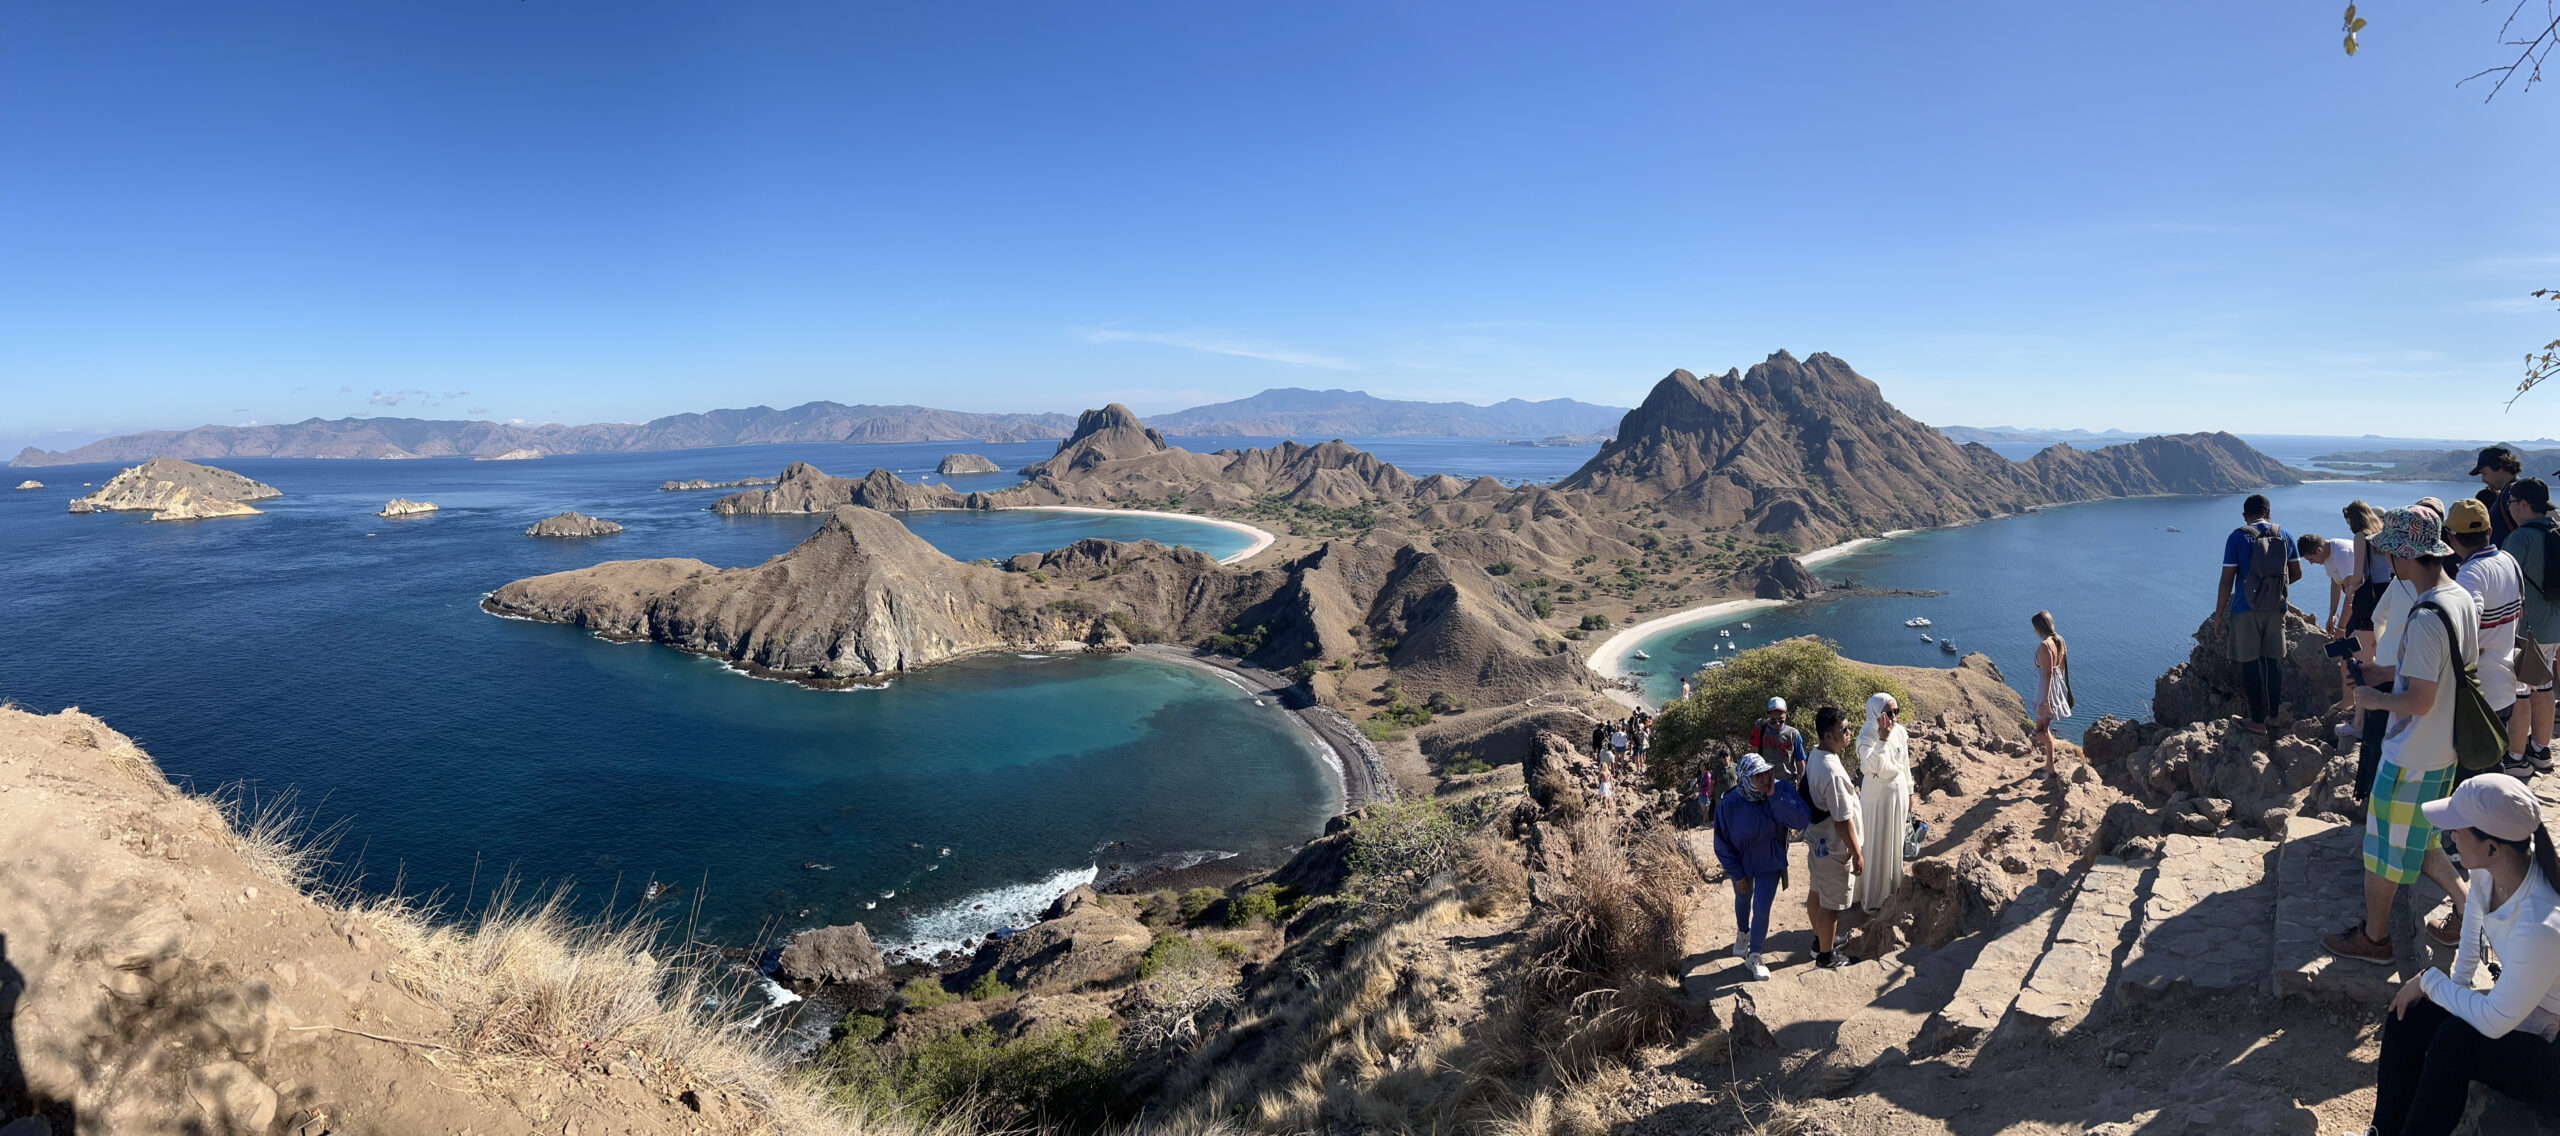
{"x": 1261, "y": 539}
{"x": 1609, "y": 658}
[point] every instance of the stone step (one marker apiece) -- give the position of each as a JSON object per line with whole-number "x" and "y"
{"x": 1998, "y": 972}
{"x": 2208, "y": 921}
{"x": 2320, "y": 889}
{"x": 2071, "y": 976}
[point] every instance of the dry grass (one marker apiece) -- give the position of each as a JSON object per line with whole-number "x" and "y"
{"x": 1604, "y": 960}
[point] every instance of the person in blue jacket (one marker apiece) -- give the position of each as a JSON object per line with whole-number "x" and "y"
{"x": 1751, "y": 842}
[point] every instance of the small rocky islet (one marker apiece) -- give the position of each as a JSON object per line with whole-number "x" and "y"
{"x": 403, "y": 507}
{"x": 31, "y": 483}
{"x": 966, "y": 463}
{"x": 174, "y": 490}
{"x": 572, "y": 524}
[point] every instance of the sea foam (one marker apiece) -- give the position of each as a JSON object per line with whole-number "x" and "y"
{"x": 971, "y": 917}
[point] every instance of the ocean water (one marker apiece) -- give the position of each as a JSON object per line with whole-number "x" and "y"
{"x": 2125, "y": 592}
{"x": 342, "y": 656}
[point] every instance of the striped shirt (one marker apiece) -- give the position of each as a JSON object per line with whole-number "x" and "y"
{"x": 2496, "y": 585}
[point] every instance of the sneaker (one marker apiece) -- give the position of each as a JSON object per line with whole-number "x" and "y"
{"x": 2445, "y": 930}
{"x": 1742, "y": 947}
{"x": 1759, "y": 970}
{"x": 2516, "y": 765}
{"x": 2539, "y": 757}
{"x": 1829, "y": 960}
{"x": 2352, "y": 944}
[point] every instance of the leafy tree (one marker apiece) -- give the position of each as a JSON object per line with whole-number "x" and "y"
{"x": 1398, "y": 846}
{"x": 1724, "y": 700}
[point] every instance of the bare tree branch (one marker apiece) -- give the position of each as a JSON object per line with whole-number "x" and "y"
{"x": 2532, "y": 51}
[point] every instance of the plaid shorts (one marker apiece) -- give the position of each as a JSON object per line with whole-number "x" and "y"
{"x": 2396, "y": 834}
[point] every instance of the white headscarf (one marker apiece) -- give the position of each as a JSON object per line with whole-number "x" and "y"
{"x": 1884, "y": 801}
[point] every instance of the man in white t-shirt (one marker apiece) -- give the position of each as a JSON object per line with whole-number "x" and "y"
{"x": 2417, "y": 748}
{"x": 2339, "y": 561}
{"x": 1831, "y": 845}
{"x": 2497, "y": 589}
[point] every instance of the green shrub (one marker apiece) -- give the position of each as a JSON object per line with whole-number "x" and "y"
{"x": 988, "y": 986}
{"x": 1543, "y": 606}
{"x": 1198, "y": 901}
{"x": 1174, "y": 953}
{"x": 924, "y": 994}
{"x": 1023, "y": 1084}
{"x": 1595, "y": 622}
{"x": 1501, "y": 567}
{"x": 1072, "y": 606}
{"x": 860, "y": 1027}
{"x": 1263, "y": 903}
{"x": 1441, "y": 703}
{"x": 1130, "y": 628}
{"x": 1398, "y": 846}
{"x": 1808, "y": 673}
{"x": 1462, "y": 763}
{"x": 1239, "y": 643}
{"x": 1380, "y": 730}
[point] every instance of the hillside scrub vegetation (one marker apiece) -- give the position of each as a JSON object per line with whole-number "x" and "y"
{"x": 1723, "y": 701}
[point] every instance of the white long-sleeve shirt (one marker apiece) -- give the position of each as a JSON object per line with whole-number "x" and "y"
{"x": 2525, "y": 932}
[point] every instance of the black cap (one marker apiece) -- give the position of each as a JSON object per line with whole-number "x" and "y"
{"x": 2532, "y": 491}
{"x": 2498, "y": 457}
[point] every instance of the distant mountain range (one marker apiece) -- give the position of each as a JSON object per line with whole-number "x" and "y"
{"x": 2434, "y": 465}
{"x": 1990, "y": 435}
{"x": 1293, "y": 412}
{"x": 1273, "y": 413}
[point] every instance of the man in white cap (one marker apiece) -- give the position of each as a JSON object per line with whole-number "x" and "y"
{"x": 2441, "y": 1033}
{"x": 1782, "y": 744}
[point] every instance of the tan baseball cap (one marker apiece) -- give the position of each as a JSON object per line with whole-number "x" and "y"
{"x": 2494, "y": 803}
{"x": 2468, "y": 515}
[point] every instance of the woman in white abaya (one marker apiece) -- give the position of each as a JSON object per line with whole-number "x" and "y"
{"x": 1884, "y": 799}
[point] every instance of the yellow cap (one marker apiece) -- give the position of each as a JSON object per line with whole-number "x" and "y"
{"x": 2468, "y": 515}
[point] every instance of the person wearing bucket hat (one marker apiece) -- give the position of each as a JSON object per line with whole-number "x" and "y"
{"x": 1751, "y": 842}
{"x": 2417, "y": 763}
{"x": 2441, "y": 1033}
{"x": 2535, "y": 544}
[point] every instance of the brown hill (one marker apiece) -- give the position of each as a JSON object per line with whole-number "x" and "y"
{"x": 174, "y": 490}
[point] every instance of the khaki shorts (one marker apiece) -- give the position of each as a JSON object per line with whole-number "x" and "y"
{"x": 2257, "y": 635}
{"x": 1831, "y": 879}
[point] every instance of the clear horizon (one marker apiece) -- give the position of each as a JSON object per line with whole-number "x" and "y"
{"x": 2184, "y": 219}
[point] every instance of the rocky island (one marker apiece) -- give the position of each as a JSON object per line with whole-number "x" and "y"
{"x": 31, "y": 483}
{"x": 522, "y": 454}
{"x": 965, "y": 463}
{"x": 572, "y": 525}
{"x": 174, "y": 490}
{"x": 404, "y": 507}
{"x": 692, "y": 484}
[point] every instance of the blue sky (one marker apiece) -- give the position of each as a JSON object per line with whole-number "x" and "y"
{"x": 2166, "y": 216}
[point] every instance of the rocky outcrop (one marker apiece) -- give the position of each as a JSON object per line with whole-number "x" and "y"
{"x": 2207, "y": 685}
{"x": 1782, "y": 578}
{"x": 692, "y": 484}
{"x": 404, "y": 507}
{"x": 832, "y": 954}
{"x": 2179, "y": 463}
{"x": 803, "y": 488}
{"x": 965, "y": 463}
{"x": 31, "y": 483}
{"x": 1092, "y": 944}
{"x": 1106, "y": 435}
{"x": 174, "y": 490}
{"x": 572, "y": 525}
{"x": 526, "y": 453}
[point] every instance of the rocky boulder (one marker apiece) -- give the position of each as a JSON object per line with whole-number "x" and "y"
{"x": 1785, "y": 578}
{"x": 965, "y": 463}
{"x": 573, "y": 525}
{"x": 2207, "y": 685}
{"x": 832, "y": 954}
{"x": 404, "y": 507}
{"x": 1091, "y": 945}
{"x": 31, "y": 483}
{"x": 2203, "y": 778}
{"x": 804, "y": 488}
{"x": 174, "y": 490}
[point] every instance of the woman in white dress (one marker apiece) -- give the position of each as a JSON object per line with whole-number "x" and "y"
{"x": 1884, "y": 799}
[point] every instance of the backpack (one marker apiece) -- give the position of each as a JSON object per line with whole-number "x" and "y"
{"x": 2262, "y": 582}
{"x": 2549, "y": 584}
{"x": 1804, "y": 788}
{"x": 2479, "y": 738}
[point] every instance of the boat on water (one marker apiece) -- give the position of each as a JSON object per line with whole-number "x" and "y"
{"x": 2174, "y": 528}
{"x": 1947, "y": 645}
{"x": 1726, "y": 633}
{"x": 1924, "y": 637}
{"x": 1642, "y": 655}
{"x": 1916, "y": 621}
{"x": 1746, "y": 627}
{"x": 1715, "y": 664}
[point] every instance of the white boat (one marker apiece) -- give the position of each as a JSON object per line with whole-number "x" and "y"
{"x": 1715, "y": 664}
{"x": 1726, "y": 634}
{"x": 1948, "y": 646}
{"x": 1642, "y": 655}
{"x": 1924, "y": 637}
{"x": 1917, "y": 621}
{"x": 1746, "y": 627}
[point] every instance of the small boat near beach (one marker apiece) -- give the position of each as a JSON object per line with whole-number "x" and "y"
{"x": 1916, "y": 621}
{"x": 1924, "y": 637}
{"x": 1746, "y": 627}
{"x": 1947, "y": 645}
{"x": 1642, "y": 655}
{"x": 1725, "y": 633}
